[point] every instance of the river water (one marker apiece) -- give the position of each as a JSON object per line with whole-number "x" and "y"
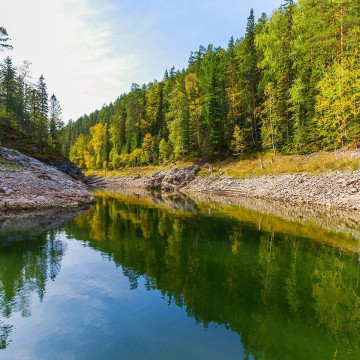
{"x": 148, "y": 278}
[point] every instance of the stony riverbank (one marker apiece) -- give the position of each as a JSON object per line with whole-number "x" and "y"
{"x": 331, "y": 189}
{"x": 26, "y": 183}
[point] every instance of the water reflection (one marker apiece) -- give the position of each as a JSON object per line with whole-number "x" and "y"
{"x": 276, "y": 283}
{"x": 30, "y": 255}
{"x": 288, "y": 297}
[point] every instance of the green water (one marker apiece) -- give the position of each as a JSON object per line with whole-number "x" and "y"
{"x": 130, "y": 279}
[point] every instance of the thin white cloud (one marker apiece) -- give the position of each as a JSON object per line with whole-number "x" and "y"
{"x": 71, "y": 43}
{"x": 90, "y": 51}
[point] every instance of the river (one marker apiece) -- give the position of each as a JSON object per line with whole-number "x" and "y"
{"x": 139, "y": 277}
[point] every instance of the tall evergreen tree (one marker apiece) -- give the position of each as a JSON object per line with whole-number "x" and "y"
{"x": 43, "y": 109}
{"x": 213, "y": 104}
{"x": 8, "y": 87}
{"x": 55, "y": 119}
{"x": 250, "y": 76}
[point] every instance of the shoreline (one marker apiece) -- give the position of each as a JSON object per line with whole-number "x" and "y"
{"x": 334, "y": 189}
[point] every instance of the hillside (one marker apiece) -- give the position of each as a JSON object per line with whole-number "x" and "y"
{"x": 14, "y": 139}
{"x": 283, "y": 88}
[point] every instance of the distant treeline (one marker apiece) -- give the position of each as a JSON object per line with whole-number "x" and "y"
{"x": 26, "y": 106}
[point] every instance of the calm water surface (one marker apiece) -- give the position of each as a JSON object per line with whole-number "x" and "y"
{"x": 131, "y": 279}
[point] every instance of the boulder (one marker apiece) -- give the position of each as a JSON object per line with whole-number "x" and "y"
{"x": 172, "y": 180}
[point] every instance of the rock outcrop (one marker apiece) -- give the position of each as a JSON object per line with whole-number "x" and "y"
{"x": 13, "y": 139}
{"x": 66, "y": 167}
{"x": 26, "y": 183}
{"x": 172, "y": 180}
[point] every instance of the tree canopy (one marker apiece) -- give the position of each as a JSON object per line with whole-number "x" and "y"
{"x": 290, "y": 85}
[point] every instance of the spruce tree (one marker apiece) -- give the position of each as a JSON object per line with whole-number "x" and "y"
{"x": 213, "y": 104}
{"x": 8, "y": 88}
{"x": 43, "y": 109}
{"x": 55, "y": 119}
{"x": 250, "y": 75}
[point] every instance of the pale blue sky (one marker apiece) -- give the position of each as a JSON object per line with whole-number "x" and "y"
{"x": 90, "y": 51}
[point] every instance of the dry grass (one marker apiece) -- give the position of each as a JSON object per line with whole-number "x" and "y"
{"x": 314, "y": 164}
{"x": 292, "y": 164}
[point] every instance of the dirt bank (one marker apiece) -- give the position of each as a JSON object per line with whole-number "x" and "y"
{"x": 26, "y": 183}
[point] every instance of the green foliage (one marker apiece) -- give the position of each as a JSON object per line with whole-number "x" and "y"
{"x": 337, "y": 104}
{"x": 291, "y": 84}
{"x": 238, "y": 143}
{"x": 24, "y": 106}
{"x": 164, "y": 150}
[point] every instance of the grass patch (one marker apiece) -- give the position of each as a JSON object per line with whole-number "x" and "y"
{"x": 4, "y": 164}
{"x": 134, "y": 171}
{"x": 249, "y": 166}
{"x": 291, "y": 164}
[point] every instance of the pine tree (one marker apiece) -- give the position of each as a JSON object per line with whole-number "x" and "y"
{"x": 194, "y": 97}
{"x": 337, "y": 104}
{"x": 166, "y": 75}
{"x": 177, "y": 119}
{"x": 43, "y": 109}
{"x": 251, "y": 75}
{"x": 232, "y": 91}
{"x": 23, "y": 93}
{"x": 270, "y": 129}
{"x": 238, "y": 144}
{"x": 213, "y": 103}
{"x": 55, "y": 120}
{"x": 285, "y": 74}
{"x": 8, "y": 88}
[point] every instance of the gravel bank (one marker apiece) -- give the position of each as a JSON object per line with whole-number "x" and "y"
{"x": 332, "y": 189}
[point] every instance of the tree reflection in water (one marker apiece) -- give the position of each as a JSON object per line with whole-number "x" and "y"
{"x": 289, "y": 297}
{"x": 277, "y": 283}
{"x": 30, "y": 255}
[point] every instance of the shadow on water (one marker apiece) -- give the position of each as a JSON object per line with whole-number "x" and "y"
{"x": 287, "y": 283}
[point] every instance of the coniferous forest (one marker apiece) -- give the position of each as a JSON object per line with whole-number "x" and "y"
{"x": 25, "y": 105}
{"x": 291, "y": 84}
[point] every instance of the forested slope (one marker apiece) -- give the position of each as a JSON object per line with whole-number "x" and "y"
{"x": 290, "y": 85}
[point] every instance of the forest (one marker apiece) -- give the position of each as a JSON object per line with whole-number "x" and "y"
{"x": 290, "y": 85}
{"x": 26, "y": 106}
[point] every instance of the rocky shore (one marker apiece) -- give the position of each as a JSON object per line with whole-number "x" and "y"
{"x": 26, "y": 183}
{"x": 332, "y": 189}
